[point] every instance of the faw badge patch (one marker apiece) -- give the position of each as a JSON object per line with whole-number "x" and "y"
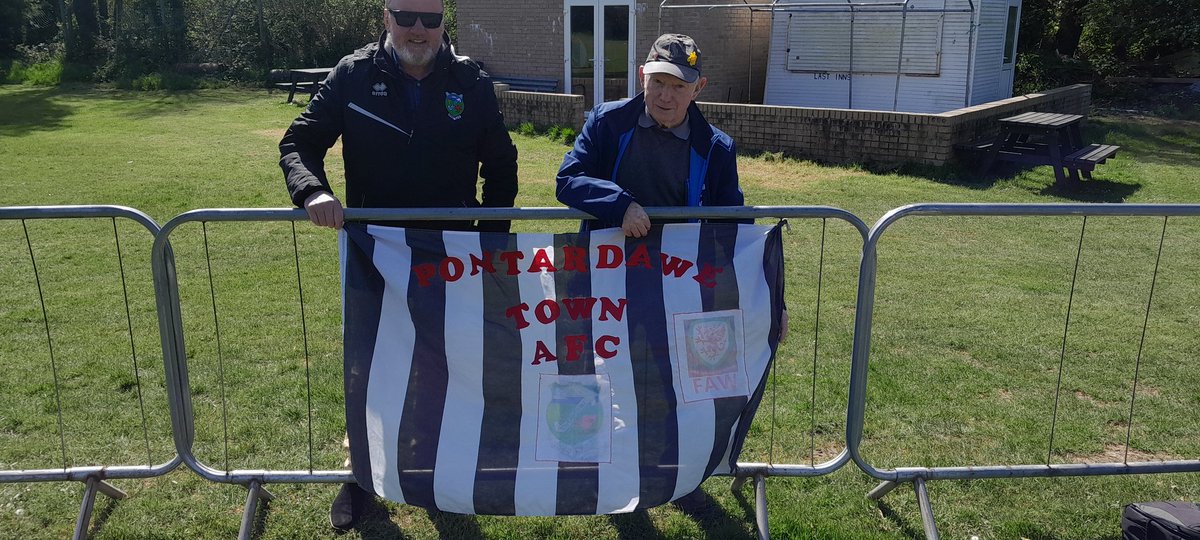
{"x": 454, "y": 105}
{"x": 713, "y": 363}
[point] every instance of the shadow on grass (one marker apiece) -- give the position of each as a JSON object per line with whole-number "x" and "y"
{"x": 376, "y": 523}
{"x": 633, "y": 525}
{"x": 260, "y": 519}
{"x": 450, "y": 525}
{"x": 966, "y": 174}
{"x": 905, "y": 528}
{"x": 26, "y": 111}
{"x": 712, "y": 517}
{"x": 101, "y": 517}
{"x": 1093, "y": 191}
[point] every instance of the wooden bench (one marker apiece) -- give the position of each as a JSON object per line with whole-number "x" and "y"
{"x": 1088, "y": 157}
{"x": 528, "y": 84}
{"x": 1085, "y": 159}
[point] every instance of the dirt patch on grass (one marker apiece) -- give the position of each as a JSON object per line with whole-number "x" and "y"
{"x": 1006, "y": 395}
{"x": 1148, "y": 391}
{"x": 1115, "y": 453}
{"x": 1086, "y": 398}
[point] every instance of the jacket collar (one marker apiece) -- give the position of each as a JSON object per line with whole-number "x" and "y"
{"x": 702, "y": 133}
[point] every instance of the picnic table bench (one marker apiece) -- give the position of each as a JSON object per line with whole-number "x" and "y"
{"x": 308, "y": 79}
{"x": 1041, "y": 138}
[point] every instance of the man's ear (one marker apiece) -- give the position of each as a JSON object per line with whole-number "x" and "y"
{"x": 642, "y": 77}
{"x": 699, "y": 86}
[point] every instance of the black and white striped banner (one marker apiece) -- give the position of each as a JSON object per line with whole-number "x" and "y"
{"x": 539, "y": 374}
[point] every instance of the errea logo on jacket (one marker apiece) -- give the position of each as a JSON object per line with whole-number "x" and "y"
{"x": 379, "y": 90}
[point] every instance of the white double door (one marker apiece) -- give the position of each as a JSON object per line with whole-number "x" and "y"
{"x": 599, "y": 49}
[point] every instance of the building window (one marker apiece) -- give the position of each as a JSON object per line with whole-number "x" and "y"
{"x": 1010, "y": 36}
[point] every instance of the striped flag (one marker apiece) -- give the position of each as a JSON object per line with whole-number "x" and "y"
{"x": 539, "y": 374}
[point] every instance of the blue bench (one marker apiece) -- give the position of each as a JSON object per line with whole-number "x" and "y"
{"x": 528, "y": 84}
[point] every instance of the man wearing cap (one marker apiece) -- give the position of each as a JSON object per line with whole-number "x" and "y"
{"x": 419, "y": 125}
{"x": 655, "y": 149}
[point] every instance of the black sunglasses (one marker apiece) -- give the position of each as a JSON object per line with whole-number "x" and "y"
{"x": 409, "y": 18}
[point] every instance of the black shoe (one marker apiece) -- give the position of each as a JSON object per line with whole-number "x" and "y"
{"x": 347, "y": 507}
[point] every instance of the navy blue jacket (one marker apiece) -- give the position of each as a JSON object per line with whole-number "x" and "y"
{"x": 587, "y": 177}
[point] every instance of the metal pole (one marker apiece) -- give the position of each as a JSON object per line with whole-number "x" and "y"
{"x": 931, "y": 532}
{"x": 256, "y": 492}
{"x": 760, "y": 507}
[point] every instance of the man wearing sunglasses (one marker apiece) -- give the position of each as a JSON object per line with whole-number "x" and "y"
{"x": 419, "y": 126}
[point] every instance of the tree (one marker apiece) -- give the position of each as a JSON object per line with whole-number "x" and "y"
{"x": 12, "y": 15}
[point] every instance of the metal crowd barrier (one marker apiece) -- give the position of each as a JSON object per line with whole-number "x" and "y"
{"x": 255, "y": 480}
{"x": 96, "y": 477}
{"x": 918, "y": 476}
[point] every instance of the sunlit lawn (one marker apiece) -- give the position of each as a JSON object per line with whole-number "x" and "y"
{"x": 969, "y": 335}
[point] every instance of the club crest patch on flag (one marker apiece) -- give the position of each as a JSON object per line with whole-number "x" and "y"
{"x": 455, "y": 105}
{"x": 554, "y": 374}
{"x": 576, "y": 419}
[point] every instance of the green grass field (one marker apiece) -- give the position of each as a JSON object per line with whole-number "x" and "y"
{"x": 968, "y": 336}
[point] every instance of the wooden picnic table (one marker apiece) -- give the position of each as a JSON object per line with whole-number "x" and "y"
{"x": 1042, "y": 138}
{"x": 309, "y": 78}
{"x": 1038, "y": 138}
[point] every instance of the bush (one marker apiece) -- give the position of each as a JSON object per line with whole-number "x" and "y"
{"x": 568, "y": 136}
{"x": 49, "y": 73}
{"x": 554, "y": 133}
{"x": 147, "y": 83}
{"x": 160, "y": 81}
{"x": 526, "y": 129}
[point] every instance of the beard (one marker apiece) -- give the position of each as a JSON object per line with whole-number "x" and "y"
{"x": 421, "y": 57}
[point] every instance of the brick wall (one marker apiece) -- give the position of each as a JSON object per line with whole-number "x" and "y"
{"x": 541, "y": 109}
{"x": 829, "y": 135}
{"x": 517, "y": 39}
{"x": 734, "y": 43}
{"x": 850, "y": 136}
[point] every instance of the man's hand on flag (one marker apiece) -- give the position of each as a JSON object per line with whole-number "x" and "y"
{"x": 324, "y": 209}
{"x": 636, "y": 222}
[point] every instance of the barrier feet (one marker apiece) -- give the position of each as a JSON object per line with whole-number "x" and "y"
{"x": 885, "y": 487}
{"x": 257, "y": 491}
{"x": 760, "y": 506}
{"x": 882, "y": 489}
{"x": 931, "y": 531}
{"x": 94, "y": 484}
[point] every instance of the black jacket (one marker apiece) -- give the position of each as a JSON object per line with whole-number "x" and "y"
{"x": 396, "y": 157}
